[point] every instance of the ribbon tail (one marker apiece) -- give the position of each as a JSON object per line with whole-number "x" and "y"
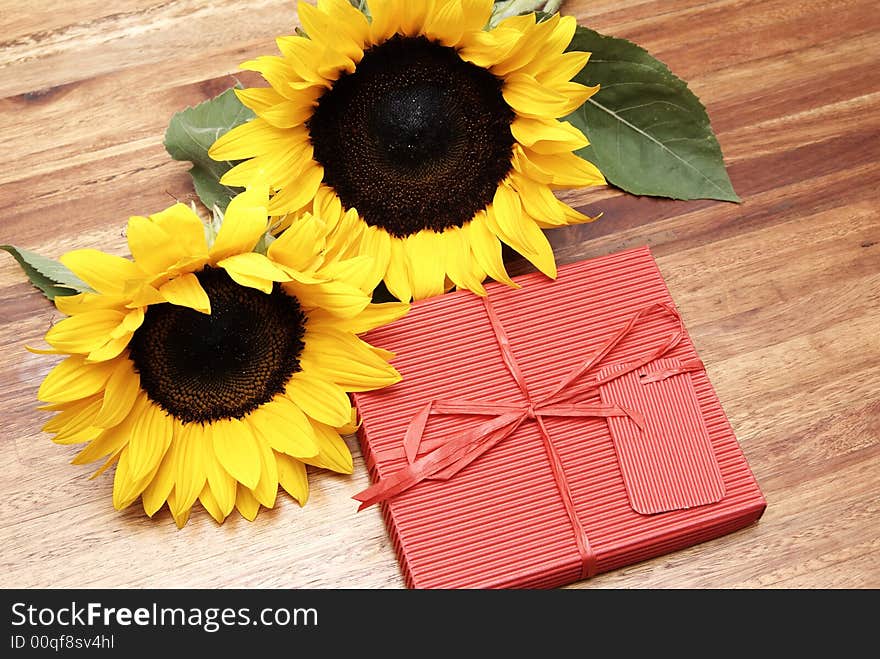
{"x": 413, "y": 438}
{"x": 491, "y": 441}
{"x": 459, "y": 448}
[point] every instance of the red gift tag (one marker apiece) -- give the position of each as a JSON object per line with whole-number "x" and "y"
{"x": 670, "y": 465}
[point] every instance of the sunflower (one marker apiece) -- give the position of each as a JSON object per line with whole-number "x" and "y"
{"x": 443, "y": 138}
{"x": 212, "y": 372}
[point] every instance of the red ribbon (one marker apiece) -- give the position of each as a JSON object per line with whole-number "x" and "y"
{"x": 444, "y": 457}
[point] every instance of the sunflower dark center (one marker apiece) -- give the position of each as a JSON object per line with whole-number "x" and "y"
{"x": 416, "y": 138}
{"x": 203, "y": 368}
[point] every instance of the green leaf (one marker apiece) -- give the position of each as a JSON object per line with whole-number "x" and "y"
{"x": 51, "y": 277}
{"x": 192, "y": 132}
{"x": 649, "y": 133}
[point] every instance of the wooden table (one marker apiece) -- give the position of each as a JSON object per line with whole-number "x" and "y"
{"x": 781, "y": 293}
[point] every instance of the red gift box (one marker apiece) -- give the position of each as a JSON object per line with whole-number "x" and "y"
{"x": 546, "y": 434}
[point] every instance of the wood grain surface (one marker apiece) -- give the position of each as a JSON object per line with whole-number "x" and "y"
{"x": 781, "y": 293}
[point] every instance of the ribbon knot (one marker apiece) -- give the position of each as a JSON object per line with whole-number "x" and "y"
{"x": 441, "y": 459}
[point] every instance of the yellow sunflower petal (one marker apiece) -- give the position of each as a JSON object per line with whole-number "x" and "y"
{"x": 459, "y": 259}
{"x": 120, "y": 395}
{"x": 114, "y": 439}
{"x": 156, "y": 493}
{"x": 549, "y": 38}
{"x": 540, "y": 253}
{"x": 266, "y": 490}
{"x": 253, "y": 270}
{"x": 445, "y": 22}
{"x": 373, "y": 316}
{"x": 275, "y": 70}
{"x": 244, "y": 224}
{"x": 354, "y": 423}
{"x": 487, "y": 49}
{"x": 386, "y": 19}
{"x": 112, "y": 460}
{"x": 292, "y": 114}
{"x": 505, "y": 216}
{"x": 190, "y": 476}
{"x": 111, "y": 349}
{"x": 304, "y": 56}
{"x": 375, "y": 243}
{"x": 210, "y": 503}
{"x": 124, "y": 487}
{"x": 222, "y": 485}
{"x": 76, "y": 425}
{"x": 236, "y": 449}
{"x": 567, "y": 169}
{"x": 397, "y": 277}
{"x": 293, "y": 478}
{"x": 336, "y": 297}
{"x": 246, "y": 503}
{"x": 160, "y": 241}
{"x": 529, "y": 47}
{"x": 105, "y": 273}
{"x": 73, "y": 379}
{"x": 573, "y": 216}
{"x": 324, "y": 29}
{"x": 84, "y": 332}
{"x": 277, "y": 165}
{"x": 70, "y": 305}
{"x": 327, "y": 206}
{"x": 562, "y": 68}
{"x": 145, "y": 295}
{"x": 285, "y": 428}
{"x": 259, "y": 99}
{"x": 575, "y": 96}
{"x": 359, "y": 271}
{"x": 334, "y": 453}
{"x": 249, "y": 139}
{"x": 427, "y": 262}
{"x": 294, "y": 197}
{"x": 343, "y": 241}
{"x": 530, "y": 98}
{"x": 97, "y": 449}
{"x": 524, "y": 240}
{"x": 319, "y": 399}
{"x": 66, "y": 412}
{"x": 413, "y": 16}
{"x": 186, "y": 291}
{"x": 150, "y": 438}
{"x": 547, "y": 135}
{"x": 342, "y": 358}
{"x": 487, "y": 250}
{"x": 179, "y": 512}
{"x": 539, "y": 202}
{"x": 301, "y": 244}
{"x": 475, "y": 14}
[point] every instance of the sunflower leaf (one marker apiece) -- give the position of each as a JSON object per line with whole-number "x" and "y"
{"x": 649, "y": 133}
{"x": 51, "y": 277}
{"x": 192, "y": 132}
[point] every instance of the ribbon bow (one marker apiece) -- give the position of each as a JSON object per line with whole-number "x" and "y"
{"x": 444, "y": 457}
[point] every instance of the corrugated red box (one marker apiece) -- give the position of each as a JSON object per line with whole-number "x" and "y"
{"x": 611, "y": 449}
